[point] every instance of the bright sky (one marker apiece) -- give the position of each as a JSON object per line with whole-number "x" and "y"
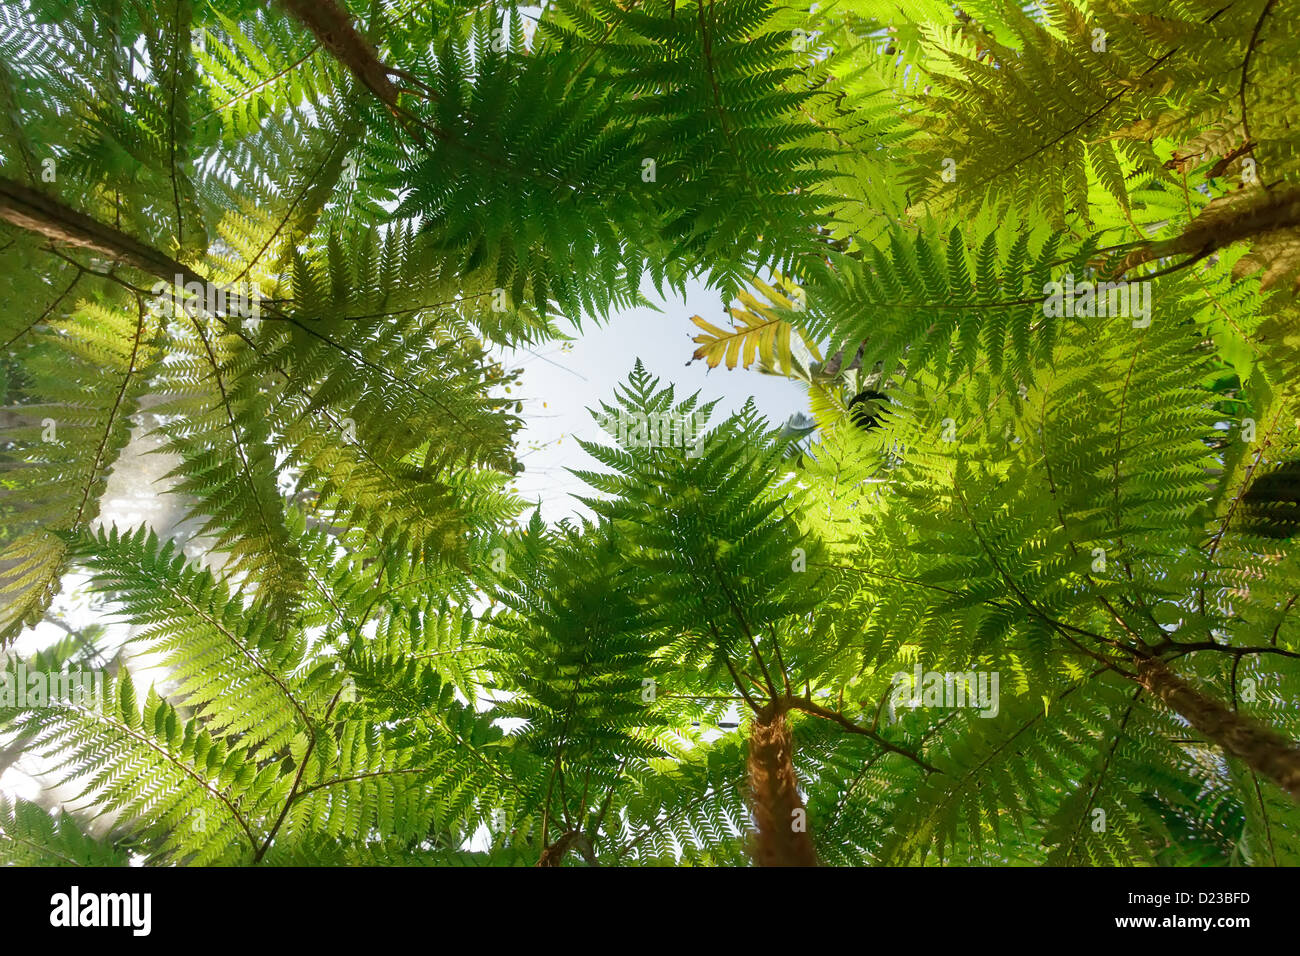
{"x": 561, "y": 381}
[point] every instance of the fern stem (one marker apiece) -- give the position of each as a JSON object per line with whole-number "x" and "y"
{"x": 810, "y": 707}
{"x": 1264, "y": 751}
{"x": 333, "y": 29}
{"x": 36, "y": 212}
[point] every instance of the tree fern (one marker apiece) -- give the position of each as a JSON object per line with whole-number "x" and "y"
{"x": 1071, "y": 529}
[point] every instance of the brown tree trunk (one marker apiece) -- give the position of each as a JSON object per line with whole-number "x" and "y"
{"x": 781, "y": 837}
{"x": 1226, "y": 220}
{"x": 553, "y": 855}
{"x": 332, "y": 26}
{"x": 37, "y": 212}
{"x": 1264, "y": 751}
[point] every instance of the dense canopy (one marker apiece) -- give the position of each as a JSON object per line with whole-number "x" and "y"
{"x": 1018, "y": 588}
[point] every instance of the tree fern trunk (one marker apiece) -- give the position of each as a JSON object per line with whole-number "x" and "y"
{"x": 782, "y": 834}
{"x": 37, "y": 212}
{"x": 332, "y": 26}
{"x": 1259, "y": 748}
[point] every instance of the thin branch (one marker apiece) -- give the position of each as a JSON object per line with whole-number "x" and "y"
{"x": 1245, "y": 67}
{"x": 809, "y": 707}
{"x": 44, "y": 315}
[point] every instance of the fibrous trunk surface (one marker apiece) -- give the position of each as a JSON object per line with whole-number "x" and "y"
{"x": 781, "y": 837}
